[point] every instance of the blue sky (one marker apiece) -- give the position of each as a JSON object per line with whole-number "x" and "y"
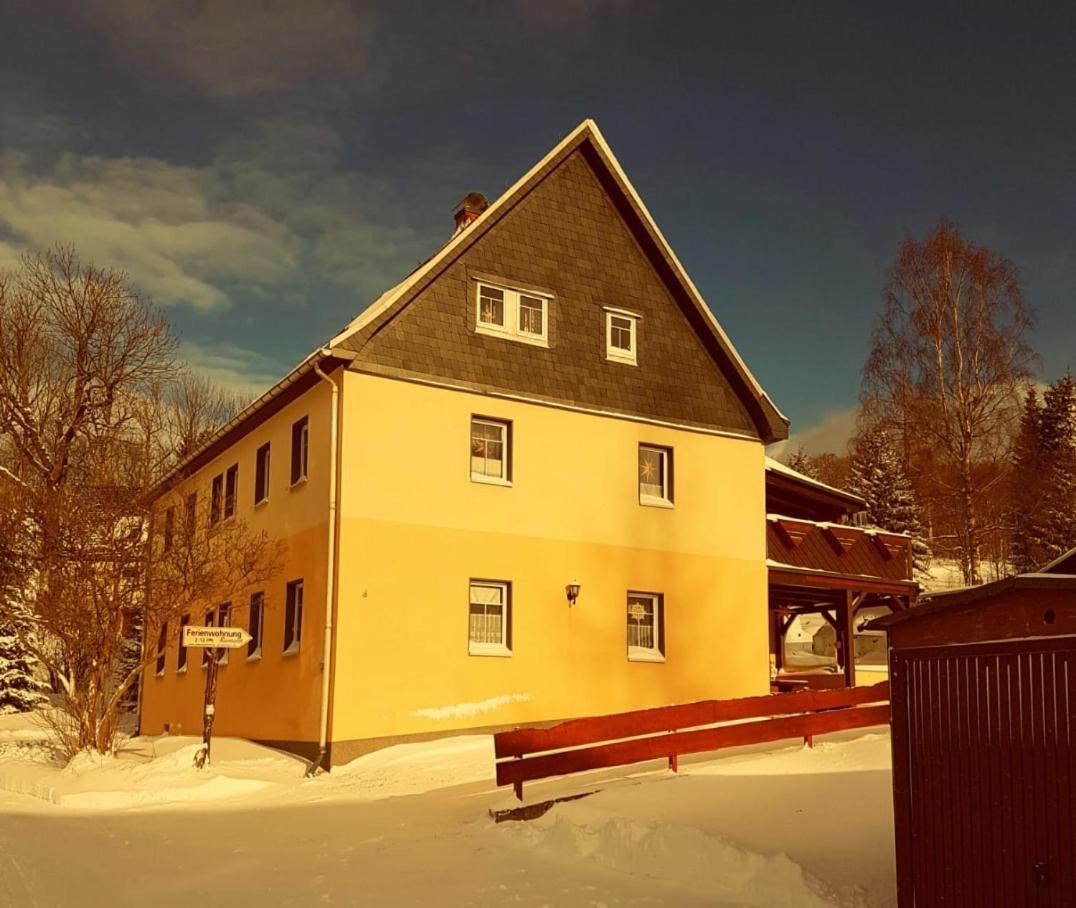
{"x": 265, "y": 169}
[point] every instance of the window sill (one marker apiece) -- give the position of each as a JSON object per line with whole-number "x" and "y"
{"x": 299, "y": 483}
{"x": 292, "y": 650}
{"x": 491, "y": 480}
{"x": 656, "y": 503}
{"x": 505, "y": 334}
{"x": 261, "y": 504}
{"x": 488, "y": 651}
{"x": 623, "y": 360}
{"x": 181, "y": 671}
{"x": 255, "y": 657}
{"x": 159, "y": 674}
{"x": 642, "y": 655}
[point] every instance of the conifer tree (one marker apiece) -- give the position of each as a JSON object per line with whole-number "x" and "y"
{"x": 800, "y": 461}
{"x": 1026, "y": 487}
{"x": 19, "y": 689}
{"x": 878, "y": 476}
{"x": 1058, "y": 471}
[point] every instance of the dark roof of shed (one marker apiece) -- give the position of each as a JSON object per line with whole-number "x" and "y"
{"x": 1066, "y": 564}
{"x": 940, "y": 602}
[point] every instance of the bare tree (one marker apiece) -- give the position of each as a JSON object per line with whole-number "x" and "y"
{"x": 945, "y": 372}
{"x": 195, "y": 408}
{"x": 89, "y": 422}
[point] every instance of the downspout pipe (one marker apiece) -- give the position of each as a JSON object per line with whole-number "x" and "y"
{"x": 330, "y": 569}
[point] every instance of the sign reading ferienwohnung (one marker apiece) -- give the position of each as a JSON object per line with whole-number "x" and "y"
{"x": 223, "y": 637}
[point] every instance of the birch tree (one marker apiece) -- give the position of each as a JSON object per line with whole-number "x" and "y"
{"x": 946, "y": 370}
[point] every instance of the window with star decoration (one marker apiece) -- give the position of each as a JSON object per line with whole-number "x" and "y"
{"x": 490, "y": 450}
{"x": 655, "y": 475}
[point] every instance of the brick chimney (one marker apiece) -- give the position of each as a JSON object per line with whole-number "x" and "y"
{"x": 468, "y": 210}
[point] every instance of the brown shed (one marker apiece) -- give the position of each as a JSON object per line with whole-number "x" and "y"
{"x": 983, "y": 687}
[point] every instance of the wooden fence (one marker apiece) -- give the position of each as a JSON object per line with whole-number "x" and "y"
{"x": 526, "y": 754}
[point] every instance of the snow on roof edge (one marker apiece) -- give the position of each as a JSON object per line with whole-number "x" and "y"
{"x": 778, "y": 467}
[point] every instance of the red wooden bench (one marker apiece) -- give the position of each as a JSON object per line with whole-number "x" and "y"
{"x": 526, "y": 754}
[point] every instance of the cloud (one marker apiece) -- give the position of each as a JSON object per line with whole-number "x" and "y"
{"x": 831, "y": 435}
{"x": 267, "y": 216}
{"x": 177, "y": 231}
{"x": 246, "y": 372}
{"x": 232, "y": 49}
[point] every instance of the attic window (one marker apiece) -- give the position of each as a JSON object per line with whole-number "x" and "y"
{"x": 621, "y": 335}
{"x": 517, "y": 314}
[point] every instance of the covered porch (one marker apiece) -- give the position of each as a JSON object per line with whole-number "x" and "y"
{"x": 827, "y": 579}
{"x": 844, "y": 603}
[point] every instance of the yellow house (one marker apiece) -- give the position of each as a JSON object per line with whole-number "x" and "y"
{"x": 525, "y": 484}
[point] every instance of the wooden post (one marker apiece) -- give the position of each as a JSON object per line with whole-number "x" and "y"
{"x": 210, "y": 709}
{"x": 847, "y": 636}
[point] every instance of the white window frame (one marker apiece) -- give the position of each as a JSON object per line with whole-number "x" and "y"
{"x": 503, "y": 648}
{"x": 618, "y": 354}
{"x": 512, "y": 328}
{"x": 665, "y": 500}
{"x": 655, "y": 652}
{"x": 506, "y": 450}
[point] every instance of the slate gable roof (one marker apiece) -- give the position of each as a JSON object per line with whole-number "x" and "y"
{"x": 720, "y": 394}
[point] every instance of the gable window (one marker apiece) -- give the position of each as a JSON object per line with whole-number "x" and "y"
{"x": 231, "y": 485}
{"x": 517, "y": 314}
{"x": 293, "y": 617}
{"x": 216, "y": 499}
{"x": 490, "y": 450}
{"x": 491, "y": 307}
{"x": 210, "y": 618}
{"x": 621, "y": 335}
{"x": 300, "y": 449}
{"x": 261, "y": 475}
{"x": 162, "y": 642}
{"x": 490, "y": 619}
{"x": 181, "y": 660}
{"x": 655, "y": 476}
{"x": 224, "y": 619}
{"x": 169, "y": 528}
{"x": 256, "y": 626}
{"x": 646, "y": 627}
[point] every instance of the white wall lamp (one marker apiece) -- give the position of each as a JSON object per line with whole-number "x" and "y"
{"x": 572, "y": 589}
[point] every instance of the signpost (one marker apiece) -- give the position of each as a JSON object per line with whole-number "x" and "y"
{"x": 215, "y": 639}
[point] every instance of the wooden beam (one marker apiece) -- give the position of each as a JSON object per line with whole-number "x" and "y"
{"x": 816, "y": 580}
{"x": 848, "y": 631}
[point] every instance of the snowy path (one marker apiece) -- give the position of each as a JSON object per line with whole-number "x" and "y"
{"x": 788, "y": 829}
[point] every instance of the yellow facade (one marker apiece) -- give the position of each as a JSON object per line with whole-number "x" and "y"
{"x": 414, "y": 529}
{"x": 275, "y": 697}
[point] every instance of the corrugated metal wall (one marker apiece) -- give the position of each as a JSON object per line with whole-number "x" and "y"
{"x": 983, "y": 774}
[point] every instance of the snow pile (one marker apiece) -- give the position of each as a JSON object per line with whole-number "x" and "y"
{"x": 705, "y": 864}
{"x": 407, "y": 769}
{"x": 810, "y": 826}
{"x": 153, "y": 771}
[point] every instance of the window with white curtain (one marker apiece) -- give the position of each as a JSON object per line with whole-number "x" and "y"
{"x": 489, "y": 619}
{"x": 655, "y": 476}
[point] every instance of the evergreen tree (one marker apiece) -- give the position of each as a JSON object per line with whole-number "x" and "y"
{"x": 800, "y": 461}
{"x": 1026, "y": 487}
{"x": 1058, "y": 445}
{"x": 19, "y": 689}
{"x": 878, "y": 476}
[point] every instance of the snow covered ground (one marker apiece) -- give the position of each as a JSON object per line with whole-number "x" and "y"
{"x": 410, "y": 825}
